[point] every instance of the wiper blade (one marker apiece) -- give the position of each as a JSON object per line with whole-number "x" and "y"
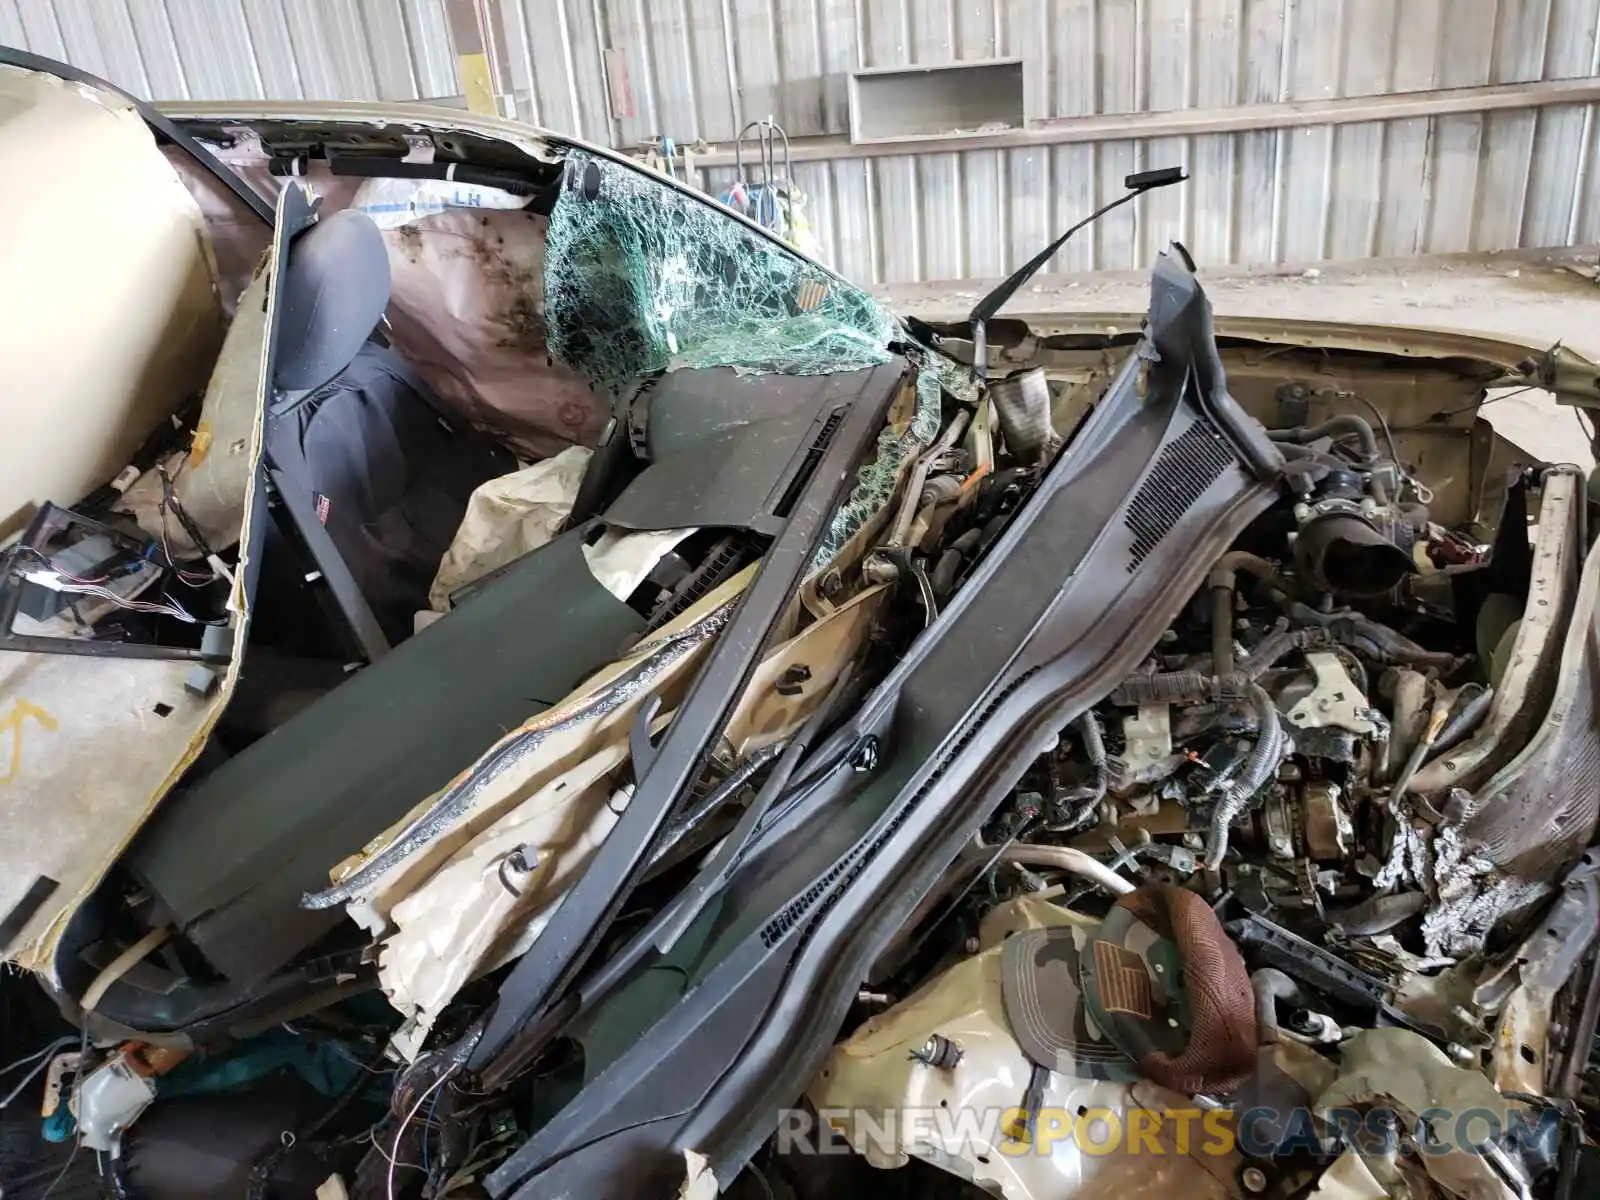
{"x": 1137, "y": 184}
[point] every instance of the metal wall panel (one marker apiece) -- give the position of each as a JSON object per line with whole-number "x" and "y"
{"x": 621, "y": 71}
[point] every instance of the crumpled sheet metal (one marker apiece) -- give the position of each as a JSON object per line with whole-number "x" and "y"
{"x": 462, "y": 918}
{"x": 1405, "y": 1071}
{"x": 1539, "y": 812}
{"x": 1349, "y": 1178}
{"x": 1531, "y": 673}
{"x": 457, "y": 924}
{"x": 1471, "y": 895}
{"x": 873, "y": 1072}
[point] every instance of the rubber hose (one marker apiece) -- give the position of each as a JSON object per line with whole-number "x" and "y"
{"x": 1463, "y": 720}
{"x": 1269, "y": 750}
{"x": 1378, "y": 914}
{"x": 1065, "y": 858}
{"x": 1222, "y": 630}
{"x": 1373, "y": 639}
{"x": 945, "y": 571}
{"x": 1226, "y": 572}
{"x": 1271, "y": 985}
{"x": 1344, "y": 423}
{"x": 1294, "y": 452}
{"x": 1275, "y": 645}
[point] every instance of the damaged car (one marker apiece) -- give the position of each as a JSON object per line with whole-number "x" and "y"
{"x": 517, "y": 682}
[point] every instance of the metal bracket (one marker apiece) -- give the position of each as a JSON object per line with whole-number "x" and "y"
{"x": 1335, "y": 702}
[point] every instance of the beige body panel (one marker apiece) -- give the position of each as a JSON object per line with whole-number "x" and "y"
{"x": 109, "y": 317}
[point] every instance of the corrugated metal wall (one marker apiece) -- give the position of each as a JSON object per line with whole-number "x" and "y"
{"x": 698, "y": 68}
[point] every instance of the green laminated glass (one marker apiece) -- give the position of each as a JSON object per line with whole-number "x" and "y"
{"x": 641, "y": 278}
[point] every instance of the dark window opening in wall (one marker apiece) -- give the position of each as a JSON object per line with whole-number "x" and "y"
{"x": 934, "y": 101}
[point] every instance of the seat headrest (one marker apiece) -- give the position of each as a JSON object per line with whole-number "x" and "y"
{"x": 335, "y": 291}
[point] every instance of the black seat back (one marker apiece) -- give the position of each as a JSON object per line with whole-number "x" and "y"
{"x": 375, "y": 477}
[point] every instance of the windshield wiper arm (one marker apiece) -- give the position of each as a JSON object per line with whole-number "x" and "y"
{"x": 1137, "y": 184}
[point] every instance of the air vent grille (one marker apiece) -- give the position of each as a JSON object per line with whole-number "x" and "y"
{"x": 819, "y": 445}
{"x": 1185, "y": 468}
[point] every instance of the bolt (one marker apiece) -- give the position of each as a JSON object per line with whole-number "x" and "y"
{"x": 1253, "y": 1179}
{"x": 972, "y": 945}
{"x": 832, "y": 584}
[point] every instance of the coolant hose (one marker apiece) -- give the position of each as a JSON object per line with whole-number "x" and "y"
{"x": 1065, "y": 858}
{"x": 1271, "y": 985}
{"x": 1223, "y": 578}
{"x": 1272, "y": 743}
{"x": 1374, "y": 640}
{"x": 1275, "y": 645}
{"x": 1222, "y": 630}
{"x": 1226, "y": 572}
{"x": 1344, "y": 423}
{"x": 1465, "y": 716}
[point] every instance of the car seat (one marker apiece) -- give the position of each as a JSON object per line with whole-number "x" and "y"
{"x": 374, "y": 472}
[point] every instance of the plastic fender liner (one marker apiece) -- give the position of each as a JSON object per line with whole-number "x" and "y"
{"x": 1073, "y": 595}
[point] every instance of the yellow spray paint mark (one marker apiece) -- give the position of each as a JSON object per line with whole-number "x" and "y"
{"x": 13, "y": 722}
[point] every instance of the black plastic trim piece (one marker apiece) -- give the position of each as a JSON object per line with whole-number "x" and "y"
{"x": 564, "y": 947}
{"x": 1186, "y": 467}
{"x": 40, "y": 890}
{"x": 961, "y": 717}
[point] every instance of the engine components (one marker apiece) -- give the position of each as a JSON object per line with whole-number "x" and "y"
{"x": 1022, "y": 402}
{"x": 1348, "y": 543}
{"x": 1336, "y": 702}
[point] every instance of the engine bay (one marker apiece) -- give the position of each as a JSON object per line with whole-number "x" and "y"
{"x": 1324, "y": 751}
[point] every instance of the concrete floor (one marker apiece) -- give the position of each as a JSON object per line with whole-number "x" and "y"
{"x": 1537, "y": 297}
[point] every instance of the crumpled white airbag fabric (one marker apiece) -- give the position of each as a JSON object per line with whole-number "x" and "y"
{"x": 506, "y": 518}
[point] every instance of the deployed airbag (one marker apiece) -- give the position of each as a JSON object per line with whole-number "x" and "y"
{"x": 507, "y": 518}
